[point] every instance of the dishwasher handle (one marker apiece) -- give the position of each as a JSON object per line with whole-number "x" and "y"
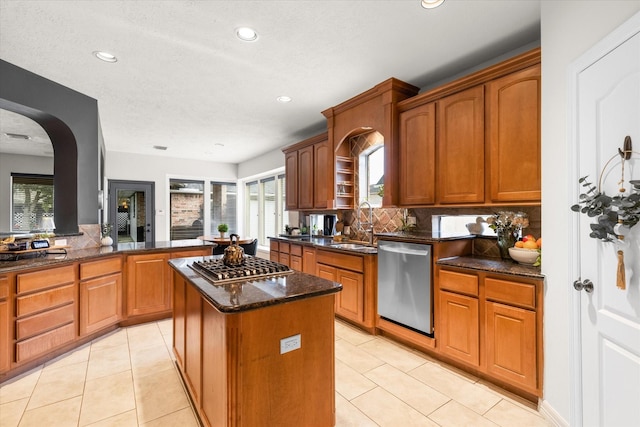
{"x": 403, "y": 250}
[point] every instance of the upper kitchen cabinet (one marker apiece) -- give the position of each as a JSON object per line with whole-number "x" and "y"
{"x": 460, "y": 147}
{"x": 479, "y": 145}
{"x": 371, "y": 112}
{"x": 417, "y": 150}
{"x": 307, "y": 166}
{"x": 513, "y": 132}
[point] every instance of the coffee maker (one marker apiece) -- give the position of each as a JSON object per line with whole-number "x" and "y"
{"x": 330, "y": 225}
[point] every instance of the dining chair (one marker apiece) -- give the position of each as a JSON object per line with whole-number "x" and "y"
{"x": 250, "y": 248}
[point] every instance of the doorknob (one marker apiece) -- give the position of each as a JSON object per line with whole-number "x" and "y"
{"x": 587, "y": 285}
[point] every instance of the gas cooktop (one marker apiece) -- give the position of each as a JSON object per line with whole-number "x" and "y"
{"x": 254, "y": 268}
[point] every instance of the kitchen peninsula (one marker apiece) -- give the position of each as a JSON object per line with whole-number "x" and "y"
{"x": 256, "y": 351}
{"x": 51, "y": 304}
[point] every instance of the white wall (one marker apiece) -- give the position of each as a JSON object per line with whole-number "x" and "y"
{"x": 261, "y": 164}
{"x": 569, "y": 28}
{"x": 137, "y": 167}
{"x": 18, "y": 164}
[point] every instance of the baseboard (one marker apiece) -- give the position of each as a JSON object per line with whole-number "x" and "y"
{"x": 551, "y": 415}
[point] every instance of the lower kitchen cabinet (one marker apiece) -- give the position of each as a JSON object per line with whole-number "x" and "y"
{"x": 492, "y": 323}
{"x": 6, "y": 330}
{"x": 148, "y": 284}
{"x": 459, "y": 335}
{"x": 309, "y": 260}
{"x": 100, "y": 294}
{"x": 45, "y": 311}
{"x": 358, "y": 275}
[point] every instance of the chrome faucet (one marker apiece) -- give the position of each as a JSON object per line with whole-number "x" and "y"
{"x": 370, "y": 223}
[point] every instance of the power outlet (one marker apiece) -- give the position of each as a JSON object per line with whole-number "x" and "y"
{"x": 290, "y": 343}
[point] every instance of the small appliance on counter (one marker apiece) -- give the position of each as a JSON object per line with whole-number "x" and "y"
{"x": 329, "y": 227}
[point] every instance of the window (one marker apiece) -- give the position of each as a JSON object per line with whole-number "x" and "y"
{"x": 371, "y": 175}
{"x": 223, "y": 206}
{"x": 264, "y": 206}
{"x": 187, "y": 209}
{"x": 31, "y": 201}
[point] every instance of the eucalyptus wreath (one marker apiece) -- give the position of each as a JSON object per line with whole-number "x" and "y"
{"x": 609, "y": 211}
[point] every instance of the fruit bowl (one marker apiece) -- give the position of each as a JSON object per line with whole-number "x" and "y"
{"x": 524, "y": 256}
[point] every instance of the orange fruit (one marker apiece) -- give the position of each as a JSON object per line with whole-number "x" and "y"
{"x": 530, "y": 244}
{"x": 519, "y": 244}
{"x": 539, "y": 242}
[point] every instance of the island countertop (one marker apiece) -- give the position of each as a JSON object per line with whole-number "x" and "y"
{"x": 250, "y": 294}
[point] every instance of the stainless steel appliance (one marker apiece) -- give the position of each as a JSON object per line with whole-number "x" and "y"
{"x": 404, "y": 284}
{"x": 330, "y": 225}
{"x": 217, "y": 272}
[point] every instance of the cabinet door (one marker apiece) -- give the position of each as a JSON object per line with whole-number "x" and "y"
{"x": 6, "y": 336}
{"x": 179, "y": 317}
{"x": 148, "y": 284}
{"x": 193, "y": 337}
{"x": 511, "y": 344}
{"x": 350, "y": 301}
{"x": 295, "y": 263}
{"x": 321, "y": 172}
{"x": 458, "y": 333}
{"x": 305, "y": 178}
{"x": 100, "y": 303}
{"x": 416, "y": 171}
{"x": 291, "y": 180}
{"x": 309, "y": 260}
{"x": 513, "y": 133}
{"x": 460, "y": 147}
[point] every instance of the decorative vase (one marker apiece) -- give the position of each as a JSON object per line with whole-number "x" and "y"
{"x": 506, "y": 240}
{"x": 106, "y": 241}
{"x": 222, "y": 234}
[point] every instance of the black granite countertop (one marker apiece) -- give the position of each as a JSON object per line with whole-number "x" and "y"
{"x": 248, "y": 295}
{"x": 495, "y": 265}
{"x": 36, "y": 260}
{"x": 327, "y": 242}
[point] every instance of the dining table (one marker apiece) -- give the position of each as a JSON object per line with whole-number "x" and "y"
{"x": 225, "y": 241}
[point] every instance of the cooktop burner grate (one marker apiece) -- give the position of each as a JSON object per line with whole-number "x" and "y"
{"x": 254, "y": 268}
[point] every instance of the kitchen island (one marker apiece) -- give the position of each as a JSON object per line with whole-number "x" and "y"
{"x": 256, "y": 351}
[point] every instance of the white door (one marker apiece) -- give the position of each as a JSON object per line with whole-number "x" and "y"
{"x": 608, "y": 346}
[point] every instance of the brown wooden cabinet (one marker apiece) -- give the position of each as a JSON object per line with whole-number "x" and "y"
{"x": 309, "y": 259}
{"x": 45, "y": 311}
{"x": 307, "y": 171}
{"x": 357, "y": 302}
{"x": 148, "y": 284}
{"x": 513, "y": 132}
{"x": 417, "y": 156}
{"x": 492, "y": 323}
{"x": 100, "y": 294}
{"x": 291, "y": 181}
{"x": 460, "y": 147}
{"x": 305, "y": 178}
{"x": 6, "y": 323}
{"x": 480, "y": 144}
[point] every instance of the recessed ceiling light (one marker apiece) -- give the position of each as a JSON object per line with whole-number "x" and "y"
{"x": 283, "y": 99}
{"x": 160, "y": 147}
{"x": 17, "y": 136}
{"x": 105, "y": 56}
{"x": 431, "y": 4}
{"x": 246, "y": 34}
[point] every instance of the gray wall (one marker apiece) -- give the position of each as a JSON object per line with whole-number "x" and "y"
{"x": 59, "y": 106}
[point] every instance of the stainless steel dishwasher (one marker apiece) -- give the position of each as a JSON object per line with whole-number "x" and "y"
{"x": 404, "y": 284}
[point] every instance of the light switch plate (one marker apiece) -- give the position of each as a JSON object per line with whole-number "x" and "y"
{"x": 290, "y": 343}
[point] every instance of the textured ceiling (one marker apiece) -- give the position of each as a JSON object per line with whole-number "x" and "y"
{"x": 183, "y": 80}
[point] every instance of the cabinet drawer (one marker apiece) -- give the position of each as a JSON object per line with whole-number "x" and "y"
{"x": 45, "y": 279}
{"x": 296, "y": 250}
{"x": 458, "y": 282}
{"x": 44, "y": 300}
{"x": 42, "y": 344}
{"x": 341, "y": 260}
{"x": 273, "y": 245}
{"x": 515, "y": 293}
{"x": 92, "y": 269}
{"x": 38, "y": 323}
{"x": 284, "y": 247}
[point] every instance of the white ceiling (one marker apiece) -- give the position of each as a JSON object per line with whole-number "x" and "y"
{"x": 183, "y": 79}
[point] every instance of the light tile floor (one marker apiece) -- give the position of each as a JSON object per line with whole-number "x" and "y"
{"x": 128, "y": 378}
